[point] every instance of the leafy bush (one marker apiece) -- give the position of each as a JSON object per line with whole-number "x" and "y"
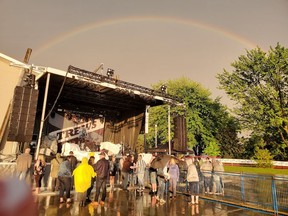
{"x": 263, "y": 158}
{"x": 212, "y": 149}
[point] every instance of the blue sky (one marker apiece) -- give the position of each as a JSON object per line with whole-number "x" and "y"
{"x": 143, "y": 41}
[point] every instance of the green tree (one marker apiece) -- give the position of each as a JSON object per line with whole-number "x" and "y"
{"x": 212, "y": 149}
{"x": 207, "y": 120}
{"x": 258, "y": 83}
{"x": 262, "y": 156}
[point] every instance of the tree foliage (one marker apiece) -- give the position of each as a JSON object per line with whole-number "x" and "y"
{"x": 262, "y": 156}
{"x": 212, "y": 149}
{"x": 207, "y": 120}
{"x": 258, "y": 83}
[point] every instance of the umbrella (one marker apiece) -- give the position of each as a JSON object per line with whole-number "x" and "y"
{"x": 161, "y": 161}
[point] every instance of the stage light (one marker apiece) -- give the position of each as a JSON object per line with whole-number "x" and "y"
{"x": 68, "y": 116}
{"x": 29, "y": 79}
{"x": 164, "y": 89}
{"x": 110, "y": 72}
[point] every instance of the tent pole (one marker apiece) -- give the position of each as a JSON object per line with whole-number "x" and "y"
{"x": 169, "y": 135}
{"x": 43, "y": 115}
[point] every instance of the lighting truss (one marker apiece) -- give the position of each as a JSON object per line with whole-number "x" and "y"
{"x": 98, "y": 78}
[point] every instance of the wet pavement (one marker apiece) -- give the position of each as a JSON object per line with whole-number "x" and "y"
{"x": 131, "y": 203}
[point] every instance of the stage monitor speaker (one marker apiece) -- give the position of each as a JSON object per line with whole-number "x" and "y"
{"x": 23, "y": 114}
{"x": 180, "y": 134}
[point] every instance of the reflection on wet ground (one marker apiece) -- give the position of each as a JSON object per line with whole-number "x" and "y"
{"x": 131, "y": 203}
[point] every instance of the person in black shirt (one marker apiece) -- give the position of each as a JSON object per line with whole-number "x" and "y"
{"x": 102, "y": 173}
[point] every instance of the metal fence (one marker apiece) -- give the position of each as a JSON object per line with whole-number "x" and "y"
{"x": 264, "y": 193}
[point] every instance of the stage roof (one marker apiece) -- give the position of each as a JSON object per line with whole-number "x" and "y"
{"x": 90, "y": 94}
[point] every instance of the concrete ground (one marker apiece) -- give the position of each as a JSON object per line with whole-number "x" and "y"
{"x": 130, "y": 203}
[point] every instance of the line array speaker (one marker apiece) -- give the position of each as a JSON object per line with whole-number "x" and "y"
{"x": 23, "y": 114}
{"x": 180, "y": 134}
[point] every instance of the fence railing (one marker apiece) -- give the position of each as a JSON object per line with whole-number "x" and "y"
{"x": 268, "y": 193}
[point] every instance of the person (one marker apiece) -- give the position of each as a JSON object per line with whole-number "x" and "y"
{"x": 126, "y": 169}
{"x": 140, "y": 170}
{"x": 112, "y": 172}
{"x": 91, "y": 162}
{"x": 162, "y": 177}
{"x": 198, "y": 162}
{"x": 23, "y": 164}
{"x": 55, "y": 164}
{"x": 132, "y": 174}
{"x": 102, "y": 173}
{"x": 120, "y": 174}
{"x": 193, "y": 180}
{"x": 16, "y": 198}
{"x": 206, "y": 170}
{"x": 153, "y": 177}
{"x": 39, "y": 171}
{"x": 82, "y": 180}
{"x": 65, "y": 179}
{"x": 218, "y": 169}
{"x": 174, "y": 176}
{"x": 73, "y": 161}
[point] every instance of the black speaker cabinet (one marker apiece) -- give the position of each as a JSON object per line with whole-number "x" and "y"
{"x": 180, "y": 134}
{"x": 23, "y": 114}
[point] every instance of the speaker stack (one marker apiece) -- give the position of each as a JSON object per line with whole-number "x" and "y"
{"x": 23, "y": 114}
{"x": 180, "y": 134}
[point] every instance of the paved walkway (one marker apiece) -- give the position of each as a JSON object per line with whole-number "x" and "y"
{"x": 132, "y": 203}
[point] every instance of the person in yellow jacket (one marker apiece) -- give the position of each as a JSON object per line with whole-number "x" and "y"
{"x": 82, "y": 180}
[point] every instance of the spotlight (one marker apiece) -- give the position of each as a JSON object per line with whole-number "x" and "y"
{"x": 110, "y": 72}
{"x": 163, "y": 88}
{"x": 68, "y": 116}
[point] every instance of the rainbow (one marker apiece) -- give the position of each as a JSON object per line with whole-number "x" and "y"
{"x": 104, "y": 23}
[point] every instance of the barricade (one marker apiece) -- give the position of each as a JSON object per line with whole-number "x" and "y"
{"x": 266, "y": 193}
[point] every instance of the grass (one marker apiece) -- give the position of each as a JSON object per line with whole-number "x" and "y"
{"x": 256, "y": 170}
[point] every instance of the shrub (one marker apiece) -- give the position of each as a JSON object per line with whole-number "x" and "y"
{"x": 212, "y": 149}
{"x": 263, "y": 158}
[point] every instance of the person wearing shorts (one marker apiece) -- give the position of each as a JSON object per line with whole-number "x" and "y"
{"x": 193, "y": 180}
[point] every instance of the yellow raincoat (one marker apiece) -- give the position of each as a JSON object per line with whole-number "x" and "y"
{"x": 82, "y": 176}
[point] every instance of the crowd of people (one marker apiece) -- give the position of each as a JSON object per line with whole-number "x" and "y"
{"x": 127, "y": 172}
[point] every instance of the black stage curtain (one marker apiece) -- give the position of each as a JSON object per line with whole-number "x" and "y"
{"x": 125, "y": 131}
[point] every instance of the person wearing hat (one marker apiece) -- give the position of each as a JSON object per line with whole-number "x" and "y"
{"x": 55, "y": 164}
{"x": 102, "y": 173}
